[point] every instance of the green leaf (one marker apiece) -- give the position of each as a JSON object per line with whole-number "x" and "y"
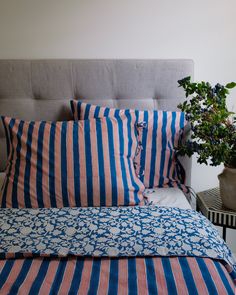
{"x": 230, "y": 85}
{"x": 213, "y": 126}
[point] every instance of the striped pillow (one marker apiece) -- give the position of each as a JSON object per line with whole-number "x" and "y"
{"x": 67, "y": 164}
{"x": 157, "y": 165}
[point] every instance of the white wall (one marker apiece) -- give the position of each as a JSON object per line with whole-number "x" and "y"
{"x": 202, "y": 30}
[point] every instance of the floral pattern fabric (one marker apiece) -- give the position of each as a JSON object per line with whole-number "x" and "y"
{"x": 110, "y": 232}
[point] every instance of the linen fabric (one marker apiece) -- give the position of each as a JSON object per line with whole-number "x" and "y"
{"x": 125, "y": 231}
{"x": 67, "y": 164}
{"x": 128, "y": 275}
{"x": 168, "y": 197}
{"x": 156, "y": 164}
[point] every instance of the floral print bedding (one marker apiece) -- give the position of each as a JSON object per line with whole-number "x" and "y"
{"x": 110, "y": 232}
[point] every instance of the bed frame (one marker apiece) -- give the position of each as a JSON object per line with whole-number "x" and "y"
{"x": 41, "y": 89}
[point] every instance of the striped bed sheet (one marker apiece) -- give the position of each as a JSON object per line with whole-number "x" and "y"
{"x": 157, "y": 275}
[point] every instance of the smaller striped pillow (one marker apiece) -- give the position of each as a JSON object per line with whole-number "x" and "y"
{"x": 157, "y": 165}
{"x": 67, "y": 164}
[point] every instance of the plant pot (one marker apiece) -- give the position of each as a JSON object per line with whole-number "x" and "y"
{"x": 227, "y": 181}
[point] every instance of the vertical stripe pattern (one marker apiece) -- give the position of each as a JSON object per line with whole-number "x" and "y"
{"x": 156, "y": 163}
{"x": 141, "y": 275}
{"x": 67, "y": 164}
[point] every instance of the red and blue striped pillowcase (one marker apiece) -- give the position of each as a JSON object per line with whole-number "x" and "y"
{"x": 66, "y": 164}
{"x": 156, "y": 163}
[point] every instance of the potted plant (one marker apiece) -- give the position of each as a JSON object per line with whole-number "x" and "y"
{"x": 213, "y": 132}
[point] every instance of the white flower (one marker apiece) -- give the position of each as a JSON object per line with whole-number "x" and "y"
{"x": 196, "y": 252}
{"x": 194, "y": 239}
{"x": 63, "y": 251}
{"x": 162, "y": 250}
{"x": 136, "y": 227}
{"x": 48, "y": 251}
{"x": 112, "y": 251}
{"x": 186, "y": 247}
{"x": 9, "y": 238}
{"x": 145, "y": 220}
{"x": 49, "y": 227}
{"x": 61, "y": 219}
{"x": 5, "y": 226}
{"x": 14, "y": 249}
{"x": 114, "y": 230}
{"x": 55, "y": 240}
{"x": 26, "y": 230}
{"x": 95, "y": 210}
{"x": 155, "y": 213}
{"x": 89, "y": 248}
{"x": 70, "y": 231}
{"x": 11, "y": 230}
{"x": 180, "y": 226}
{"x": 40, "y": 246}
{"x": 97, "y": 253}
{"x": 138, "y": 247}
{"x": 148, "y": 239}
{"x": 100, "y": 231}
{"x": 202, "y": 232}
{"x": 57, "y": 232}
{"x": 145, "y": 232}
{"x": 147, "y": 252}
{"x": 158, "y": 230}
{"x": 189, "y": 230}
{"x": 115, "y": 213}
{"x": 34, "y": 211}
{"x": 211, "y": 253}
{"x": 74, "y": 212}
{"x": 20, "y": 218}
{"x": 93, "y": 227}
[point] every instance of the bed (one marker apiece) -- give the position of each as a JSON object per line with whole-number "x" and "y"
{"x": 162, "y": 248}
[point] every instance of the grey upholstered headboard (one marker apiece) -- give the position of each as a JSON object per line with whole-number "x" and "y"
{"x": 41, "y": 89}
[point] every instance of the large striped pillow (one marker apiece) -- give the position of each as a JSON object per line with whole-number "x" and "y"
{"x": 66, "y": 164}
{"x": 157, "y": 165}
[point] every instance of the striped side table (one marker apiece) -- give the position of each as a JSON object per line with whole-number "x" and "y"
{"x": 210, "y": 205}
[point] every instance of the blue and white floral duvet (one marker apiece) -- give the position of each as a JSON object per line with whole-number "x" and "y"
{"x": 112, "y": 232}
